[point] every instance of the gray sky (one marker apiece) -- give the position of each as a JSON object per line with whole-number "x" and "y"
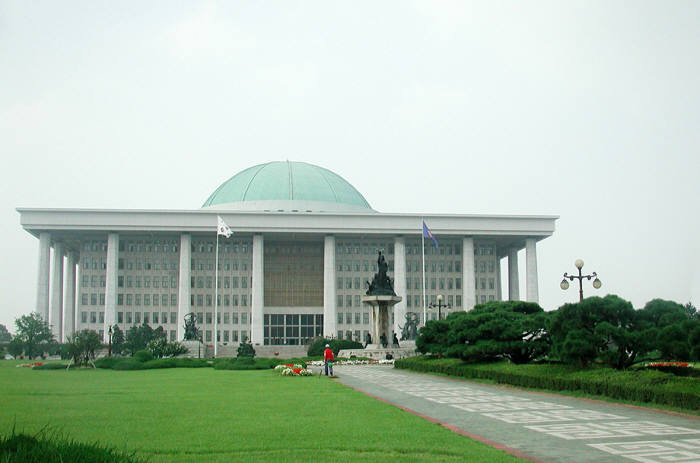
{"x": 588, "y": 110}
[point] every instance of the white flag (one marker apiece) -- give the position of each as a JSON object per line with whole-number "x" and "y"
{"x": 223, "y": 229}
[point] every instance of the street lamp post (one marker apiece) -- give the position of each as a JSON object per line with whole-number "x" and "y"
{"x": 110, "y": 332}
{"x": 439, "y": 306}
{"x": 579, "y": 265}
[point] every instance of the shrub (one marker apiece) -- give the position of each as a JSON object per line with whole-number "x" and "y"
{"x": 121, "y": 363}
{"x": 128, "y": 364}
{"x": 23, "y": 448}
{"x": 246, "y": 349}
{"x": 244, "y": 363}
{"x": 143, "y": 356}
{"x": 107, "y": 362}
{"x": 50, "y": 366}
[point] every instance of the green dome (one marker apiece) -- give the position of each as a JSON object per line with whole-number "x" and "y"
{"x": 287, "y": 186}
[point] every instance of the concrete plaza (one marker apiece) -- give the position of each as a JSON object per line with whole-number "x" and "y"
{"x": 538, "y": 426}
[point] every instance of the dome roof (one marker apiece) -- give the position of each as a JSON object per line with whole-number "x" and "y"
{"x": 287, "y": 186}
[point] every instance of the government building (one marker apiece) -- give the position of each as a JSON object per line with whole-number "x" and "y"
{"x": 304, "y": 244}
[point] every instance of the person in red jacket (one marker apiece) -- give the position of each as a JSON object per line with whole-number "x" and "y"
{"x": 328, "y": 360}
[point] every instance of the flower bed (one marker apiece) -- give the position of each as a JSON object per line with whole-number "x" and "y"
{"x": 29, "y": 365}
{"x": 293, "y": 369}
{"x": 676, "y": 368}
{"x": 317, "y": 363}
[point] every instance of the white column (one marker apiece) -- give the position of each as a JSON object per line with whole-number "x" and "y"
{"x": 468, "y": 288}
{"x": 531, "y": 270}
{"x": 57, "y": 292}
{"x": 513, "y": 283}
{"x": 257, "y": 299}
{"x": 499, "y": 292}
{"x": 43, "y": 277}
{"x": 399, "y": 284}
{"x": 184, "y": 285}
{"x": 329, "y": 309}
{"x": 111, "y": 283}
{"x": 69, "y": 297}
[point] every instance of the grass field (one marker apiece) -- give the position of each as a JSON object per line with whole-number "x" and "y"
{"x": 188, "y": 415}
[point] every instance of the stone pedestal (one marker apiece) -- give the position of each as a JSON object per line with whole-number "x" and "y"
{"x": 380, "y": 316}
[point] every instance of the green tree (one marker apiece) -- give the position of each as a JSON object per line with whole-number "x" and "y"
{"x": 81, "y": 346}
{"x": 159, "y": 347}
{"x": 607, "y": 328}
{"x": 137, "y": 338}
{"x": 15, "y": 348}
{"x": 662, "y": 313}
{"x": 500, "y": 329}
{"x": 34, "y": 334}
{"x": 117, "y": 340}
{"x": 675, "y": 323}
{"x": 5, "y": 335}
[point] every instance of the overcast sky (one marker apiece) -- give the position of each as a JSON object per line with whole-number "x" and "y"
{"x": 587, "y": 110}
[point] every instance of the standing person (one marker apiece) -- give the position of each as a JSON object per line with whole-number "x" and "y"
{"x": 328, "y": 360}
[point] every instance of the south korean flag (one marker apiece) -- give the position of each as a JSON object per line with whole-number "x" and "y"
{"x": 223, "y": 229}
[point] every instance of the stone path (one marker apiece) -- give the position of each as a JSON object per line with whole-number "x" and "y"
{"x": 545, "y": 427}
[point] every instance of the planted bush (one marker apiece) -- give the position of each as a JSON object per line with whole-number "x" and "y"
{"x": 50, "y": 366}
{"x": 244, "y": 363}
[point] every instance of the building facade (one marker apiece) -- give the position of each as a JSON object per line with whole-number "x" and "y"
{"x": 305, "y": 243}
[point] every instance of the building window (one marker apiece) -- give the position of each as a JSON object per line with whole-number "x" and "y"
{"x": 340, "y": 317}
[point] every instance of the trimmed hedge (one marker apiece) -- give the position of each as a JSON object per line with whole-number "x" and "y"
{"x": 50, "y": 366}
{"x": 244, "y": 363}
{"x": 133, "y": 363}
{"x": 640, "y": 386}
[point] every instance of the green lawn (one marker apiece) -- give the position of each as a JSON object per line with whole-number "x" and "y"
{"x": 202, "y": 414}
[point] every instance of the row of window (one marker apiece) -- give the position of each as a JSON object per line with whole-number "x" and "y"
{"x": 348, "y": 318}
{"x": 367, "y": 249}
{"x": 224, "y": 265}
{"x": 416, "y": 300}
{"x": 223, "y": 282}
{"x": 227, "y": 248}
{"x": 434, "y": 283}
{"x": 206, "y": 300}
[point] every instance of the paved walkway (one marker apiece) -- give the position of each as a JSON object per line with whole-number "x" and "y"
{"x": 544, "y": 427}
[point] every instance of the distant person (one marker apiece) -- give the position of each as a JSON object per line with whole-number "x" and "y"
{"x": 395, "y": 341}
{"x": 368, "y": 340}
{"x": 328, "y": 360}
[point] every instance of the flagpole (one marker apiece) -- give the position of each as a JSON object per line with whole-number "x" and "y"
{"x": 216, "y": 293}
{"x": 422, "y": 234}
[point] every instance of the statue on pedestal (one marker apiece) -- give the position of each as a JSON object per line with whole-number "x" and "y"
{"x": 191, "y": 327}
{"x": 381, "y": 283}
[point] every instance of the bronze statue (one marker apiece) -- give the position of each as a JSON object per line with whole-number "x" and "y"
{"x": 409, "y": 330}
{"x": 191, "y": 327}
{"x": 381, "y": 284}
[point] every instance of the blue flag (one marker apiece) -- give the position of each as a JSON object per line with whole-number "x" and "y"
{"x": 428, "y": 234}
